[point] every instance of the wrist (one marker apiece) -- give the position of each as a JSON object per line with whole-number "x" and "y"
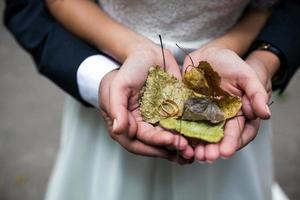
{"x": 103, "y": 91}
{"x": 262, "y": 71}
{"x": 117, "y": 40}
{"x": 134, "y": 44}
{"x": 268, "y": 59}
{"x": 125, "y": 43}
{"x": 226, "y": 42}
{"x": 141, "y": 46}
{"x": 217, "y": 43}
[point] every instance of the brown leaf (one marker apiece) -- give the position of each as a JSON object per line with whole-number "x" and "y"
{"x": 207, "y": 82}
{"x": 202, "y": 108}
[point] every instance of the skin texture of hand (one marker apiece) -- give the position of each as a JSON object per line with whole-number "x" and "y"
{"x": 264, "y": 76}
{"x": 265, "y": 64}
{"x": 238, "y": 78}
{"x": 119, "y": 103}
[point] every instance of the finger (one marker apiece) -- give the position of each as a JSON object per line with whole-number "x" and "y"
{"x": 269, "y": 89}
{"x": 186, "y": 67}
{"x": 232, "y": 136}
{"x": 212, "y": 152}
{"x": 139, "y": 148}
{"x": 108, "y": 120}
{"x": 157, "y": 136}
{"x": 200, "y": 152}
{"x": 250, "y": 131}
{"x": 182, "y": 147}
{"x": 188, "y": 153}
{"x": 182, "y": 161}
{"x": 270, "y": 94}
{"x": 180, "y": 143}
{"x": 132, "y": 129}
{"x": 189, "y": 60}
{"x": 104, "y": 97}
{"x": 194, "y": 142}
{"x": 154, "y": 135}
{"x": 119, "y": 94}
{"x": 247, "y": 108}
{"x": 173, "y": 68}
{"x": 257, "y": 95}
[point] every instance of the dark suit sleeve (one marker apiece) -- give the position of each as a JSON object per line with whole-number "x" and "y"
{"x": 56, "y": 52}
{"x": 283, "y": 32}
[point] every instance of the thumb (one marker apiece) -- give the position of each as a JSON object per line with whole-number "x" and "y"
{"x": 257, "y": 95}
{"x": 118, "y": 107}
{"x": 247, "y": 108}
{"x": 187, "y": 63}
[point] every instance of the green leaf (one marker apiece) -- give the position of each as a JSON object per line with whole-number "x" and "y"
{"x": 202, "y": 130}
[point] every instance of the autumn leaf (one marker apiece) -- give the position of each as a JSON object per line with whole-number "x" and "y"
{"x": 202, "y": 108}
{"x": 196, "y": 107}
{"x": 163, "y": 96}
{"x": 201, "y": 130}
{"x": 210, "y": 88}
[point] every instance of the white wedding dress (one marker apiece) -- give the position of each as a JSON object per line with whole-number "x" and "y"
{"x": 91, "y": 166}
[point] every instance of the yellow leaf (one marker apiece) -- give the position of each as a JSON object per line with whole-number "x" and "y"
{"x": 163, "y": 96}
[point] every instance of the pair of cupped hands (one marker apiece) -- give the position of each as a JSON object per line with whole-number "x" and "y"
{"x": 120, "y": 91}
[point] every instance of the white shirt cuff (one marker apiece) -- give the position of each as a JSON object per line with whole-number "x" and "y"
{"x": 89, "y": 75}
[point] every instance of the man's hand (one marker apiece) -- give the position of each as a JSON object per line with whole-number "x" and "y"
{"x": 238, "y": 78}
{"x": 119, "y": 103}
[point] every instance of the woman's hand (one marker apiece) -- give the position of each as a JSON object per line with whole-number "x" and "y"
{"x": 119, "y": 102}
{"x": 238, "y": 78}
{"x": 265, "y": 64}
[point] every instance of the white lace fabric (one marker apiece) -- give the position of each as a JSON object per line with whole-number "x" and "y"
{"x": 186, "y": 22}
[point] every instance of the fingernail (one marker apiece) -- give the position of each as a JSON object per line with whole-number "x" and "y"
{"x": 268, "y": 110}
{"x": 115, "y": 125}
{"x": 224, "y": 158}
